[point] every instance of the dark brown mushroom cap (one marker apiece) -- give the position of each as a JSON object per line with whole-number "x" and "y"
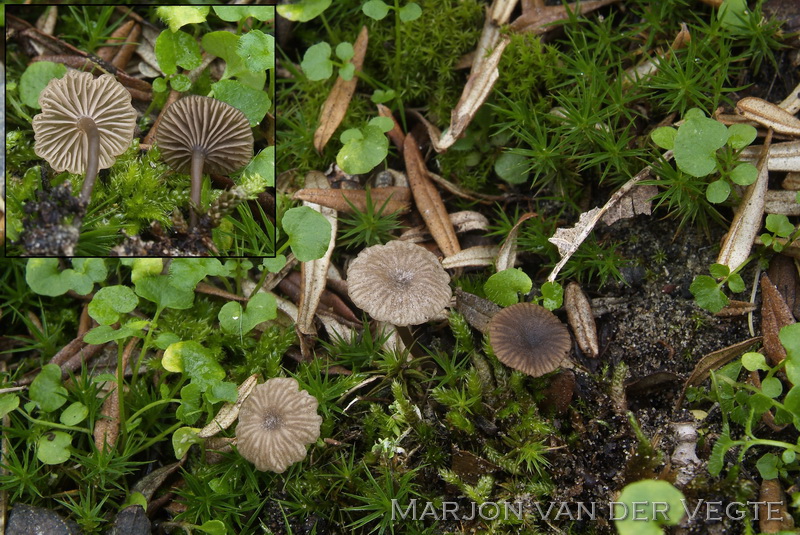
{"x": 529, "y": 338}
{"x": 222, "y": 131}
{"x": 276, "y": 422}
{"x": 64, "y": 101}
{"x": 400, "y": 283}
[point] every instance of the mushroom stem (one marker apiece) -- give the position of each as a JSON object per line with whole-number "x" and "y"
{"x": 88, "y": 127}
{"x": 198, "y": 160}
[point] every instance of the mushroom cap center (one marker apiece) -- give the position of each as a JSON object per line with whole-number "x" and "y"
{"x": 401, "y": 278}
{"x": 272, "y": 421}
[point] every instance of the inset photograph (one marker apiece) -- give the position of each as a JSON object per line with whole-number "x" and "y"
{"x": 140, "y": 131}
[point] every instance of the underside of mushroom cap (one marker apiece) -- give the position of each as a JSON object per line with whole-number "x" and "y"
{"x": 276, "y": 423}
{"x": 222, "y": 131}
{"x": 529, "y": 338}
{"x": 400, "y": 283}
{"x": 64, "y": 102}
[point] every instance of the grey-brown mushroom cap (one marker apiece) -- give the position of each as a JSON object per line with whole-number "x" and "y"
{"x": 276, "y": 422}
{"x": 79, "y": 94}
{"x": 529, "y": 338}
{"x": 222, "y": 131}
{"x": 399, "y": 283}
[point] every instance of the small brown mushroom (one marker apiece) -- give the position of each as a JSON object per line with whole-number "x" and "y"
{"x": 400, "y": 283}
{"x": 200, "y": 134}
{"x": 529, "y": 338}
{"x": 276, "y": 422}
{"x": 85, "y": 123}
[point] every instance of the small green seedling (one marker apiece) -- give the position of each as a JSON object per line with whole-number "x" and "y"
{"x": 505, "y": 286}
{"x": 645, "y": 506}
{"x": 707, "y": 290}
{"x": 698, "y": 147}
{"x": 377, "y": 9}
{"x": 304, "y": 10}
{"x": 318, "y": 65}
{"x": 778, "y": 226}
{"x": 309, "y": 233}
{"x": 364, "y": 148}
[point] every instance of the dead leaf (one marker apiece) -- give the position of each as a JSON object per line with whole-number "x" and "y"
{"x": 314, "y": 273}
{"x": 747, "y": 221}
{"x": 567, "y": 240}
{"x": 542, "y": 19}
{"x": 781, "y": 157}
{"x": 637, "y": 201}
{"x": 781, "y": 202}
{"x": 507, "y": 256}
{"x": 429, "y": 202}
{"x": 736, "y": 308}
{"x": 467, "y": 221}
{"x": 775, "y": 315}
{"x": 119, "y": 36}
{"x": 396, "y": 133}
{"x": 478, "y": 256}
{"x": 773, "y": 516}
{"x": 229, "y": 411}
{"x": 714, "y": 360}
{"x": 477, "y": 311}
{"x": 783, "y": 274}
{"x": 580, "y": 318}
{"x": 335, "y": 107}
{"x": 769, "y": 115}
{"x": 106, "y": 428}
{"x": 396, "y": 199}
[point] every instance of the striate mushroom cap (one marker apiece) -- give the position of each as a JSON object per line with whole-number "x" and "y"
{"x": 400, "y": 283}
{"x": 276, "y": 422}
{"x": 529, "y": 338}
{"x": 64, "y": 102}
{"x": 220, "y": 130}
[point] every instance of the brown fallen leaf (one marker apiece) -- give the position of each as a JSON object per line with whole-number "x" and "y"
{"x": 783, "y": 274}
{"x": 395, "y": 199}
{"x": 106, "y": 428}
{"x": 775, "y": 315}
{"x": 542, "y": 19}
{"x": 119, "y": 36}
{"x": 773, "y": 514}
{"x": 714, "y": 360}
{"x": 580, "y": 318}
{"x": 507, "y": 256}
{"x": 747, "y": 221}
{"x": 567, "y": 240}
{"x": 335, "y": 107}
{"x": 769, "y": 115}
{"x": 427, "y": 199}
{"x": 736, "y": 308}
{"x": 396, "y": 134}
{"x": 476, "y": 310}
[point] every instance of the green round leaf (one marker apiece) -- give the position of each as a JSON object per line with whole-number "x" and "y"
{"x": 744, "y": 174}
{"x": 345, "y": 51}
{"x": 109, "y": 302}
{"x": 182, "y": 440}
{"x": 767, "y": 466}
{"x": 180, "y": 82}
{"x": 644, "y": 519}
{"x": 222, "y": 391}
{"x": 504, "y": 286}
{"x": 159, "y": 85}
{"x": 790, "y": 339}
{"x": 664, "y": 137}
{"x": 718, "y": 191}
{"x": 696, "y": 145}
{"x": 253, "y": 103}
{"x": 347, "y": 72}
{"x": 741, "y": 135}
{"x": 237, "y": 13}
{"x": 552, "y": 295}
{"x": 53, "y": 447}
{"x": 359, "y": 156}
{"x": 274, "y": 265}
{"x": 375, "y": 9}
{"x": 257, "y": 50}
{"x": 46, "y": 390}
{"x": 719, "y": 271}
{"x": 44, "y": 278}
{"x": 309, "y": 232}
{"x": 316, "y": 62}
{"x": 213, "y": 527}
{"x": 772, "y": 387}
{"x": 410, "y": 11}
{"x": 707, "y": 294}
{"x": 233, "y": 320}
{"x": 384, "y": 123}
{"x": 195, "y": 361}
{"x": 177, "y": 16}
{"x": 174, "y": 49}
{"x": 779, "y": 225}
{"x": 74, "y": 414}
{"x": 304, "y": 10}
{"x": 754, "y": 361}
{"x": 736, "y": 283}
{"x": 35, "y": 78}
{"x": 511, "y": 167}
{"x": 8, "y": 403}
{"x": 788, "y": 456}
{"x": 379, "y": 96}
{"x": 262, "y": 167}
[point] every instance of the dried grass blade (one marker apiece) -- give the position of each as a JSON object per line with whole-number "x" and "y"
{"x": 396, "y": 199}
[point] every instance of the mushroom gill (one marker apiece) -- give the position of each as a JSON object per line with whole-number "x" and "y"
{"x": 85, "y": 123}
{"x": 276, "y": 422}
{"x": 400, "y": 283}
{"x": 201, "y": 134}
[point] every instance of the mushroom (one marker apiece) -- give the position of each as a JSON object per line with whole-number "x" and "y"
{"x": 85, "y": 123}
{"x": 529, "y": 338}
{"x": 200, "y": 134}
{"x": 400, "y": 283}
{"x": 276, "y": 422}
